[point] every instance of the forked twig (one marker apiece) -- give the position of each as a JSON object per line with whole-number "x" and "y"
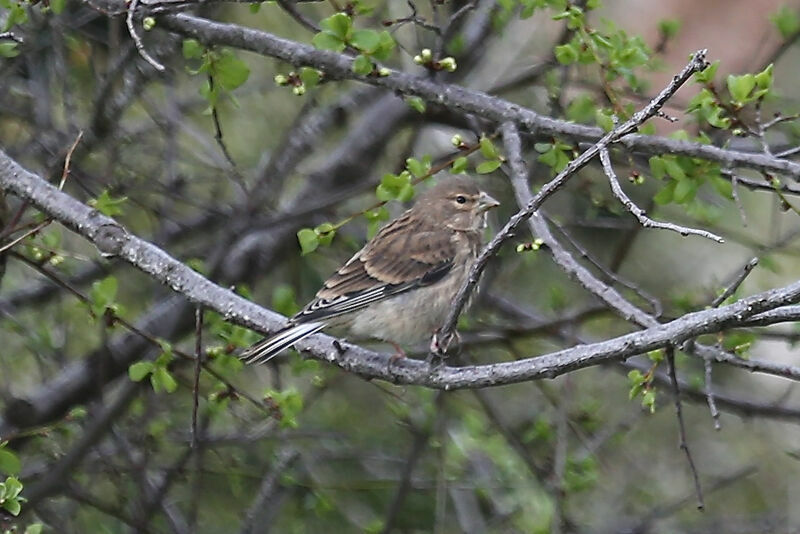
{"x": 673, "y": 378}
{"x": 638, "y": 212}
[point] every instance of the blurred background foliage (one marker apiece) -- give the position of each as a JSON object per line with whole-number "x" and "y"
{"x": 266, "y": 178}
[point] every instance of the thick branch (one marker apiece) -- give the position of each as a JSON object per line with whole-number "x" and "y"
{"x": 111, "y": 238}
{"x": 338, "y": 66}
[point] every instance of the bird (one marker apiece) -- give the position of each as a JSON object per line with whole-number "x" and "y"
{"x": 400, "y": 286}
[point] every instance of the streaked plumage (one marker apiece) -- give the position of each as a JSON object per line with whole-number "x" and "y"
{"x": 400, "y": 286}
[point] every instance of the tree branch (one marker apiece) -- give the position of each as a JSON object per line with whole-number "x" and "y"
{"x": 112, "y": 239}
{"x": 338, "y": 66}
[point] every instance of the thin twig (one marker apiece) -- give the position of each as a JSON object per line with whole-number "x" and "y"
{"x": 291, "y": 9}
{"x": 137, "y": 40}
{"x": 734, "y": 285}
{"x": 26, "y": 235}
{"x": 11, "y": 36}
{"x": 712, "y": 404}
{"x": 707, "y": 358}
{"x": 736, "y": 199}
{"x": 67, "y": 161}
{"x": 198, "y": 364}
{"x": 610, "y": 275}
{"x": 237, "y": 177}
{"x": 638, "y": 212}
{"x": 138, "y": 331}
{"x": 673, "y": 377}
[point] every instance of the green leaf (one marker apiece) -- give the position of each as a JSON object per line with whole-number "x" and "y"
{"x": 58, "y": 6}
{"x": 13, "y": 487}
{"x": 581, "y": 109}
{"x": 107, "y": 205}
{"x": 230, "y": 72}
{"x": 9, "y": 462}
{"x": 459, "y": 165}
{"x": 192, "y": 49}
{"x": 310, "y": 77}
{"x": 416, "y": 103}
{"x": 328, "y": 41}
{"x": 8, "y": 49}
{"x": 685, "y": 191}
{"x": 669, "y": 27}
{"x": 339, "y": 25}
{"x": 741, "y": 86}
{"x": 12, "y": 506}
{"x": 385, "y": 47}
{"x": 139, "y": 370}
{"x": 325, "y": 233}
{"x": 362, "y": 65}
{"x": 555, "y": 158}
{"x": 395, "y": 182}
{"x": 657, "y": 167}
{"x": 566, "y": 54}
{"x": 665, "y": 195}
{"x": 35, "y": 528}
{"x": 290, "y": 404}
{"x": 378, "y": 214}
{"x": 488, "y": 166}
{"x": 406, "y": 193}
{"x": 707, "y": 75}
{"x": 416, "y": 167}
{"x": 162, "y": 380}
{"x": 722, "y": 186}
{"x": 488, "y": 149}
{"x": 604, "y": 120}
{"x": 308, "y": 239}
{"x": 764, "y": 78}
{"x": 17, "y": 14}
{"x": 787, "y": 21}
{"x": 673, "y": 168}
{"x": 384, "y": 194}
{"x": 102, "y": 295}
{"x": 366, "y": 40}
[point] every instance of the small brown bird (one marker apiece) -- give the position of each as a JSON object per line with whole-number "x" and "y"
{"x": 400, "y": 286}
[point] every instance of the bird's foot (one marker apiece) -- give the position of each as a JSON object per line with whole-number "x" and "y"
{"x": 399, "y": 354}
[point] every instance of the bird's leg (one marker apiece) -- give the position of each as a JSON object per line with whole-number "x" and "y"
{"x": 399, "y": 354}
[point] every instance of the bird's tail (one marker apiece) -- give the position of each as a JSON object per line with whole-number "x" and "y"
{"x": 268, "y": 347}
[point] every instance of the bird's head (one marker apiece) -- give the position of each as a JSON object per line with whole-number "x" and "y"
{"x": 456, "y": 202}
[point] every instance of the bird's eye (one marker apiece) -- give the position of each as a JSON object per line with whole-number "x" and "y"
{"x": 461, "y": 199}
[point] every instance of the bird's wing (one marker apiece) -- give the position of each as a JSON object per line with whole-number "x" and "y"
{"x": 405, "y": 254}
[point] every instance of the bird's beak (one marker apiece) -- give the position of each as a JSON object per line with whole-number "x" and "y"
{"x": 486, "y": 202}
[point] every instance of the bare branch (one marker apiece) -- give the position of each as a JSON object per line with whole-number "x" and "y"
{"x": 338, "y": 66}
{"x": 137, "y": 39}
{"x": 638, "y": 212}
{"x": 734, "y": 285}
{"x": 681, "y": 426}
